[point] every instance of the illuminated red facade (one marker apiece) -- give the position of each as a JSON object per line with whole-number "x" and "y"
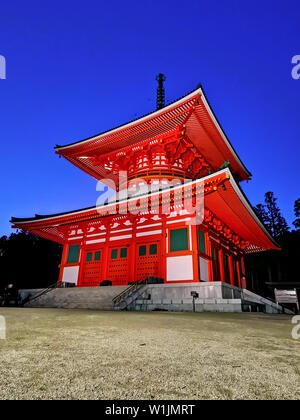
{"x": 123, "y": 242}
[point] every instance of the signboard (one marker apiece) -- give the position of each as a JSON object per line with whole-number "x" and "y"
{"x": 287, "y": 296}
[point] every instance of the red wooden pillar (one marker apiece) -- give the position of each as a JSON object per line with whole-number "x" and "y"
{"x": 163, "y": 260}
{"x": 209, "y": 253}
{"x": 221, "y": 263}
{"x": 63, "y": 261}
{"x": 106, "y": 255}
{"x": 239, "y": 274}
{"x": 81, "y": 257}
{"x": 132, "y": 253}
{"x": 230, "y": 263}
{"x": 244, "y": 273}
{"x": 195, "y": 250}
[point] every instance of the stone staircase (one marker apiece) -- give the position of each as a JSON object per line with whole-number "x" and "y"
{"x": 100, "y": 298}
{"x": 213, "y": 297}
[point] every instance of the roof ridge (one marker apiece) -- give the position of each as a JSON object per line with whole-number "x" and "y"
{"x": 128, "y": 122}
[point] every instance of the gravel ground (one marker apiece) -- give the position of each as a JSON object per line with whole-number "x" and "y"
{"x": 81, "y": 354}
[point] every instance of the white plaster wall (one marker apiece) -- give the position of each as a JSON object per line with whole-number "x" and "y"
{"x": 70, "y": 274}
{"x": 203, "y": 267}
{"x": 180, "y": 268}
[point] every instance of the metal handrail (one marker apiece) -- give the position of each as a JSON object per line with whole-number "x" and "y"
{"x": 52, "y": 286}
{"x": 132, "y": 288}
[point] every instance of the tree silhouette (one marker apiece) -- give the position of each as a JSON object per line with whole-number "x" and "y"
{"x": 271, "y": 216}
{"x": 275, "y": 266}
{"x": 27, "y": 261}
{"x": 261, "y": 212}
{"x": 296, "y": 223}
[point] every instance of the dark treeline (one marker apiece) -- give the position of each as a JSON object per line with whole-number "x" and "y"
{"x": 275, "y": 266}
{"x": 27, "y": 261}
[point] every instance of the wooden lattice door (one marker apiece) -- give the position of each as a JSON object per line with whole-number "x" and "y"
{"x": 147, "y": 260}
{"x": 118, "y": 266}
{"x": 92, "y": 268}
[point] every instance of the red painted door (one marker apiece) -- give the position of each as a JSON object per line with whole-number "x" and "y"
{"x": 118, "y": 266}
{"x": 147, "y": 260}
{"x": 92, "y": 268}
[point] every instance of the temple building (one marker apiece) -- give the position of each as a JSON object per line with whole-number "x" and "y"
{"x": 179, "y": 214}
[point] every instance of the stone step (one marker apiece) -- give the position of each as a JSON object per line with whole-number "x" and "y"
{"x": 82, "y": 298}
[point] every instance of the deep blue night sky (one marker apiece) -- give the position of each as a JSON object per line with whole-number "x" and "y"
{"x": 75, "y": 69}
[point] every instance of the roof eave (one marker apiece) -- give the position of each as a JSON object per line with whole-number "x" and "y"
{"x": 235, "y": 186}
{"x": 223, "y": 135}
{"x": 250, "y": 208}
{"x": 137, "y": 120}
{"x": 244, "y": 174}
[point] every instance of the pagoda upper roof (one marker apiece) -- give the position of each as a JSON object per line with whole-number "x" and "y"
{"x": 224, "y": 198}
{"x": 192, "y": 112}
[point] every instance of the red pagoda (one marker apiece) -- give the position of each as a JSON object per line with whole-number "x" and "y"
{"x": 174, "y": 150}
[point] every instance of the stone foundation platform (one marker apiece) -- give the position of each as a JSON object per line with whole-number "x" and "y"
{"x": 213, "y": 297}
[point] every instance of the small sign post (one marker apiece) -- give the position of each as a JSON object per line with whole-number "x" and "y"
{"x": 195, "y": 295}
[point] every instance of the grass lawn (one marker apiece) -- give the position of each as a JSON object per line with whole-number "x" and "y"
{"x": 81, "y": 354}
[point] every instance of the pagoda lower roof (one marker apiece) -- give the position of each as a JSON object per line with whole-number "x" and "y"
{"x": 192, "y": 112}
{"x": 224, "y": 198}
